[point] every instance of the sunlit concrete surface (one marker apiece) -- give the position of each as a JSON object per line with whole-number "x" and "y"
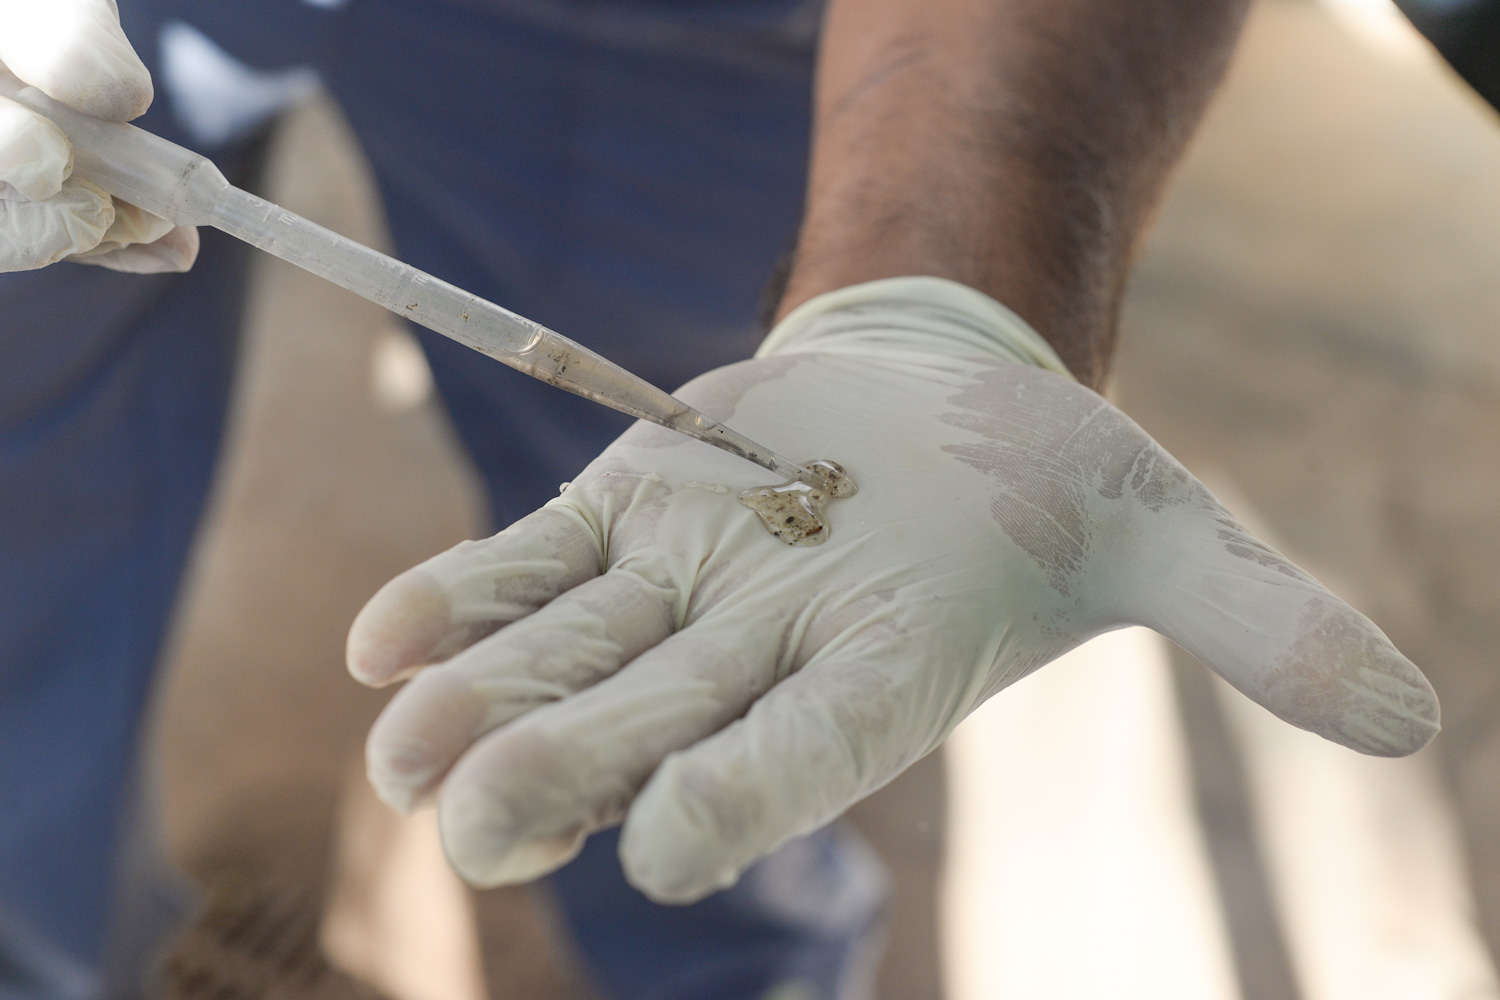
{"x": 1366, "y": 866}
{"x": 1077, "y": 867}
{"x": 1368, "y": 869}
{"x": 1381, "y": 26}
{"x": 1315, "y": 325}
{"x": 398, "y": 918}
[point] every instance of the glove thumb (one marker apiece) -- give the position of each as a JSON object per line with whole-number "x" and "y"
{"x": 1282, "y": 638}
{"x": 75, "y": 52}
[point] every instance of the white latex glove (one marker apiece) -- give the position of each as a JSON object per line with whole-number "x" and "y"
{"x": 661, "y": 659}
{"x": 75, "y": 52}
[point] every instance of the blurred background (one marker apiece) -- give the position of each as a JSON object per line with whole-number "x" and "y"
{"x": 1312, "y": 329}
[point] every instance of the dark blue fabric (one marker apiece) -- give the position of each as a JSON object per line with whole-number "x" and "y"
{"x": 112, "y": 395}
{"x": 626, "y": 173}
{"x": 805, "y": 923}
{"x": 632, "y": 197}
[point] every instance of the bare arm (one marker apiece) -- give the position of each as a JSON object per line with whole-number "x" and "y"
{"x": 1018, "y": 146}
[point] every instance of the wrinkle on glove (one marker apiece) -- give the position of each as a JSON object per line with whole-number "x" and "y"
{"x": 35, "y": 234}
{"x": 139, "y": 242}
{"x": 75, "y": 52}
{"x": 35, "y": 155}
{"x": 642, "y": 651}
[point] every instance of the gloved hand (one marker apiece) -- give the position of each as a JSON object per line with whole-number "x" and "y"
{"x": 643, "y": 649}
{"x": 75, "y": 52}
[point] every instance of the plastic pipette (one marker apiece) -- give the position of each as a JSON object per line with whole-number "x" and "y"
{"x": 187, "y": 189}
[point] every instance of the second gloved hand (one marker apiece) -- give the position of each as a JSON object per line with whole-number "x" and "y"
{"x": 75, "y": 52}
{"x": 642, "y": 649}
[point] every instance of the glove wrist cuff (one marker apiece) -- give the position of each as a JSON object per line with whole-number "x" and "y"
{"x": 912, "y": 312}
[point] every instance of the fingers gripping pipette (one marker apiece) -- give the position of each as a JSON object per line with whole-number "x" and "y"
{"x": 188, "y": 190}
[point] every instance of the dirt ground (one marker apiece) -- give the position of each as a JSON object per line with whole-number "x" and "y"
{"x": 1313, "y": 324}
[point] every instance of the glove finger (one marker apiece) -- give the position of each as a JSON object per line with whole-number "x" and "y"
{"x": 37, "y": 233}
{"x": 580, "y": 638}
{"x": 1279, "y": 636}
{"x": 173, "y": 253}
{"x": 452, "y": 600}
{"x": 75, "y": 52}
{"x": 142, "y": 243}
{"x": 35, "y": 155}
{"x": 132, "y": 225}
{"x": 521, "y": 801}
{"x": 815, "y": 744}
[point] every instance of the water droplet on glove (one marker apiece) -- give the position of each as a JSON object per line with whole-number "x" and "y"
{"x": 794, "y": 511}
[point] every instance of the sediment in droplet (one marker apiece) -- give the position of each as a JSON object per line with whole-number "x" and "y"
{"x": 795, "y": 512}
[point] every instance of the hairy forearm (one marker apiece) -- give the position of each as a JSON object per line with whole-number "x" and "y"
{"x": 1018, "y": 146}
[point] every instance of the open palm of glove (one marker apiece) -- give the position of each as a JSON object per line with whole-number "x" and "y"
{"x": 642, "y": 649}
{"x": 75, "y": 52}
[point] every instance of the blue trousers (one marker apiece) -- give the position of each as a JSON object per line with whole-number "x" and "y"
{"x": 625, "y": 172}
